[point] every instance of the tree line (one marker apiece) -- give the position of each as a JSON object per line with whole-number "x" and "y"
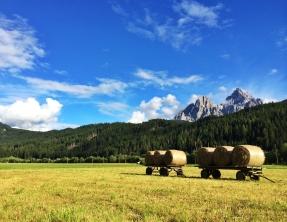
{"x": 264, "y": 125}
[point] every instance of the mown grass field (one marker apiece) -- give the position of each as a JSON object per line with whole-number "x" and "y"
{"x": 122, "y": 192}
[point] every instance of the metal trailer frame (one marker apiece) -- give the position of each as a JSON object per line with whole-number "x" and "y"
{"x": 253, "y": 172}
{"x": 164, "y": 170}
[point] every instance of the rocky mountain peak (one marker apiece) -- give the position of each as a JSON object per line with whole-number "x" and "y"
{"x": 238, "y": 97}
{"x": 203, "y": 106}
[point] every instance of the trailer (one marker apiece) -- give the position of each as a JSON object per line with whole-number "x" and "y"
{"x": 164, "y": 170}
{"x": 242, "y": 172}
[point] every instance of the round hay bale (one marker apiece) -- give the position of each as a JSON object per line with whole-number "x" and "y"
{"x": 205, "y": 156}
{"x": 248, "y": 155}
{"x": 175, "y": 158}
{"x": 158, "y": 157}
{"x": 222, "y": 155}
{"x": 149, "y": 158}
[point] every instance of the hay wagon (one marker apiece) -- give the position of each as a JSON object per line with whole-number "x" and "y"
{"x": 242, "y": 172}
{"x": 165, "y": 161}
{"x": 164, "y": 170}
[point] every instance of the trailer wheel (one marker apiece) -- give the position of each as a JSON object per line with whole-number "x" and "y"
{"x": 255, "y": 177}
{"x": 165, "y": 172}
{"x": 161, "y": 171}
{"x": 148, "y": 171}
{"x": 205, "y": 173}
{"x": 216, "y": 174}
{"x": 179, "y": 172}
{"x": 240, "y": 175}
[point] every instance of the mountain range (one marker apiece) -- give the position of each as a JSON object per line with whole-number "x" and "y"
{"x": 203, "y": 106}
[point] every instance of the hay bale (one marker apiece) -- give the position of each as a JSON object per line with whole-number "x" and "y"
{"x": 248, "y": 155}
{"x": 149, "y": 158}
{"x": 205, "y": 156}
{"x": 175, "y": 158}
{"x": 222, "y": 155}
{"x": 158, "y": 157}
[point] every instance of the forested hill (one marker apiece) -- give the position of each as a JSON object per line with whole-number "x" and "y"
{"x": 263, "y": 125}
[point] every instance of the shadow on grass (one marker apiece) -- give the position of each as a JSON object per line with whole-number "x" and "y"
{"x": 183, "y": 177}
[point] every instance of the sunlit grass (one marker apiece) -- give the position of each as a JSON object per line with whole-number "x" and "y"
{"x": 122, "y": 192}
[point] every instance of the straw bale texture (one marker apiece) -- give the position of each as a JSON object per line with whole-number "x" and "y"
{"x": 222, "y": 155}
{"x": 205, "y": 156}
{"x": 149, "y": 158}
{"x": 175, "y": 158}
{"x": 248, "y": 155}
{"x": 158, "y": 157}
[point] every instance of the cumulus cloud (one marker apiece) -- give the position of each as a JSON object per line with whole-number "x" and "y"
{"x": 137, "y": 117}
{"x": 108, "y": 87}
{"x": 161, "y": 78}
{"x": 164, "y": 108}
{"x": 30, "y": 115}
{"x": 193, "y": 98}
{"x": 19, "y": 47}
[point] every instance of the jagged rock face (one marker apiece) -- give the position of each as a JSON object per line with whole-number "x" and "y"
{"x": 203, "y": 106}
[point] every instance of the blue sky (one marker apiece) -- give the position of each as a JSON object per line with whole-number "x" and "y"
{"x": 70, "y": 63}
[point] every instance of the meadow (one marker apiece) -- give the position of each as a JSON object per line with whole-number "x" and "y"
{"x": 122, "y": 192}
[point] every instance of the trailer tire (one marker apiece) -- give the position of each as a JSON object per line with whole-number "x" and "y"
{"x": 255, "y": 177}
{"x": 161, "y": 171}
{"x": 205, "y": 173}
{"x": 179, "y": 172}
{"x": 148, "y": 171}
{"x": 165, "y": 172}
{"x": 240, "y": 175}
{"x": 216, "y": 174}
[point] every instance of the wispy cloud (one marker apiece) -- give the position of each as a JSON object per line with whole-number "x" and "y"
{"x": 112, "y": 108}
{"x": 108, "y": 87}
{"x": 19, "y": 47}
{"x": 60, "y": 72}
{"x": 225, "y": 56}
{"x": 185, "y": 30}
{"x": 272, "y": 71}
{"x": 222, "y": 88}
{"x": 282, "y": 39}
{"x": 118, "y": 9}
{"x": 161, "y": 78}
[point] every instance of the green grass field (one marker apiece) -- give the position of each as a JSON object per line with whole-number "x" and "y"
{"x": 122, "y": 192}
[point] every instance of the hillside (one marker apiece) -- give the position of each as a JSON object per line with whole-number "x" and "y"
{"x": 262, "y": 125}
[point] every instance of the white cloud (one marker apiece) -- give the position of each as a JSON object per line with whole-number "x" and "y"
{"x": 181, "y": 30}
{"x": 223, "y": 88}
{"x": 198, "y": 13}
{"x": 19, "y": 47}
{"x": 61, "y": 72}
{"x": 137, "y": 117}
{"x": 163, "y": 108}
{"x": 118, "y": 9}
{"x": 193, "y": 98}
{"x": 272, "y": 71}
{"x": 225, "y": 56}
{"x": 112, "y": 108}
{"x": 108, "y": 87}
{"x": 161, "y": 78}
{"x": 282, "y": 39}
{"x": 269, "y": 100}
{"x": 30, "y": 115}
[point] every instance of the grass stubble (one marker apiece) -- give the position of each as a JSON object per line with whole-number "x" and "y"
{"x": 122, "y": 192}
